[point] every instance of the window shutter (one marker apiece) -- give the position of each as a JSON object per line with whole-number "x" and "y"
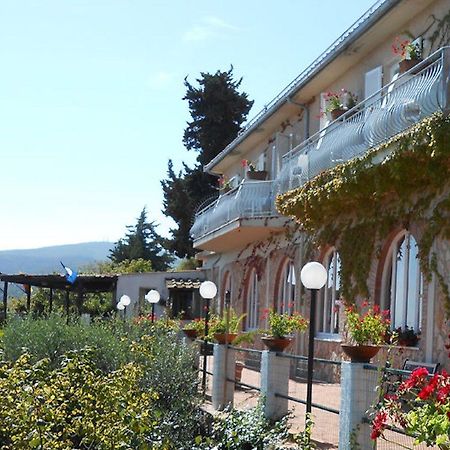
{"x": 373, "y": 82}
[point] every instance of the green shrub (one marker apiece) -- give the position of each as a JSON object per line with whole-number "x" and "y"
{"x": 241, "y": 430}
{"x": 74, "y": 405}
{"x": 52, "y": 337}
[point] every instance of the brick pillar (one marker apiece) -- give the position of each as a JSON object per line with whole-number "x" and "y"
{"x": 274, "y": 379}
{"x": 358, "y": 393}
{"x": 224, "y": 365}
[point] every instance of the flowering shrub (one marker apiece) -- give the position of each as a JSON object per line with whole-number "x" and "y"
{"x": 406, "y": 49}
{"x": 281, "y": 325}
{"x": 421, "y": 406}
{"x": 342, "y": 99}
{"x": 246, "y": 163}
{"x": 369, "y": 327}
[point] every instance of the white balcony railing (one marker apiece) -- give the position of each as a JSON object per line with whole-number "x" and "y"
{"x": 405, "y": 101}
{"x": 417, "y": 94}
{"x": 249, "y": 199}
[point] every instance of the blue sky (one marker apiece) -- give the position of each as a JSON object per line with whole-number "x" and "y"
{"x": 90, "y": 98}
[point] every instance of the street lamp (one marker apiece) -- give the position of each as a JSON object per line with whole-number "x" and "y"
{"x": 121, "y": 307}
{"x": 153, "y": 297}
{"x": 208, "y": 291}
{"x": 314, "y": 277}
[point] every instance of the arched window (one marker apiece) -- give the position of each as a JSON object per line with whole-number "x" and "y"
{"x": 403, "y": 283}
{"x": 329, "y": 300}
{"x": 285, "y": 299}
{"x": 252, "y": 318}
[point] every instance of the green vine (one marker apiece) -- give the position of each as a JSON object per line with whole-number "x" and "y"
{"x": 356, "y": 204}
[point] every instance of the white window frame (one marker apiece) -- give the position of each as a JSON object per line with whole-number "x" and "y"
{"x": 227, "y": 286}
{"x": 329, "y": 299}
{"x": 252, "y": 317}
{"x": 400, "y": 308}
{"x": 286, "y": 288}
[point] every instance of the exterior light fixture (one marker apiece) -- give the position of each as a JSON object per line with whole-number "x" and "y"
{"x": 153, "y": 297}
{"x": 208, "y": 291}
{"x": 313, "y": 276}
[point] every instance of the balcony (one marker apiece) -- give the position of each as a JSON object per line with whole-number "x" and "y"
{"x": 242, "y": 215}
{"x": 411, "y": 97}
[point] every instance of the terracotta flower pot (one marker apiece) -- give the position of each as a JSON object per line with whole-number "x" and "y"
{"x": 336, "y": 113}
{"x": 360, "y": 353}
{"x": 191, "y": 334}
{"x": 225, "y": 338}
{"x": 276, "y": 344}
{"x": 407, "y": 64}
{"x": 259, "y": 175}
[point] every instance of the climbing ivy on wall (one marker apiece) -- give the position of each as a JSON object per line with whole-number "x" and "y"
{"x": 356, "y": 204}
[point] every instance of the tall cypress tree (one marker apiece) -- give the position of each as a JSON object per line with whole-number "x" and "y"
{"x": 142, "y": 241}
{"x": 217, "y": 109}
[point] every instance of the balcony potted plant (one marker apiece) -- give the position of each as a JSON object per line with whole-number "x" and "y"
{"x": 252, "y": 173}
{"x": 223, "y": 333}
{"x": 224, "y": 184}
{"x": 281, "y": 326}
{"x": 364, "y": 332}
{"x": 409, "y": 52}
{"x": 338, "y": 103}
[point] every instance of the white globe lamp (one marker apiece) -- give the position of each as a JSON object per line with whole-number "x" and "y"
{"x": 152, "y": 296}
{"x": 208, "y": 290}
{"x": 125, "y": 300}
{"x": 313, "y": 275}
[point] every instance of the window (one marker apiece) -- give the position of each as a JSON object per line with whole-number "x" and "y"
{"x": 227, "y": 287}
{"x": 285, "y": 299}
{"x": 252, "y": 318}
{"x": 329, "y": 300}
{"x": 403, "y": 290}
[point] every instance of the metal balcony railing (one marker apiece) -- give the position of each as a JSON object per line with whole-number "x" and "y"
{"x": 405, "y": 101}
{"x": 249, "y": 199}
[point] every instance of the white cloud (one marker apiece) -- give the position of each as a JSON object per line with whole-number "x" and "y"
{"x": 210, "y": 27}
{"x": 160, "y": 80}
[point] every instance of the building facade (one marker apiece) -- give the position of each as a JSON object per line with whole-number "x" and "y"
{"x": 255, "y": 238}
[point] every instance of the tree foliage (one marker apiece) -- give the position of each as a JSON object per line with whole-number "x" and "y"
{"x": 217, "y": 109}
{"x": 142, "y": 241}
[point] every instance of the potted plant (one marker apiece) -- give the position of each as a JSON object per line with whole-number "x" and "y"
{"x": 224, "y": 184}
{"x": 406, "y": 337}
{"x": 281, "y": 326}
{"x": 195, "y": 329}
{"x": 409, "y": 52}
{"x": 252, "y": 173}
{"x": 225, "y": 333}
{"x": 338, "y": 103}
{"x": 420, "y": 406}
{"x": 364, "y": 332}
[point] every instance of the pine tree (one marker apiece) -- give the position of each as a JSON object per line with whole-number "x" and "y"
{"x": 217, "y": 109}
{"x": 142, "y": 242}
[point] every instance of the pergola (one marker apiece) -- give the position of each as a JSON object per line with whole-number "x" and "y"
{"x": 83, "y": 284}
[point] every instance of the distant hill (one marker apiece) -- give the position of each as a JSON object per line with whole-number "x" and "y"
{"x": 47, "y": 259}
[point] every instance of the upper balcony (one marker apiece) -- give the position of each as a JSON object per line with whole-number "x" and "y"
{"x": 242, "y": 215}
{"x": 412, "y": 96}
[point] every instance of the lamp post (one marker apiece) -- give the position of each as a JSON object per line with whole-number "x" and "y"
{"x": 153, "y": 297}
{"x": 121, "y": 307}
{"x": 208, "y": 291}
{"x": 314, "y": 277}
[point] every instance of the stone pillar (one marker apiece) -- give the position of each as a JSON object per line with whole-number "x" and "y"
{"x": 358, "y": 393}
{"x": 274, "y": 379}
{"x": 224, "y": 365}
